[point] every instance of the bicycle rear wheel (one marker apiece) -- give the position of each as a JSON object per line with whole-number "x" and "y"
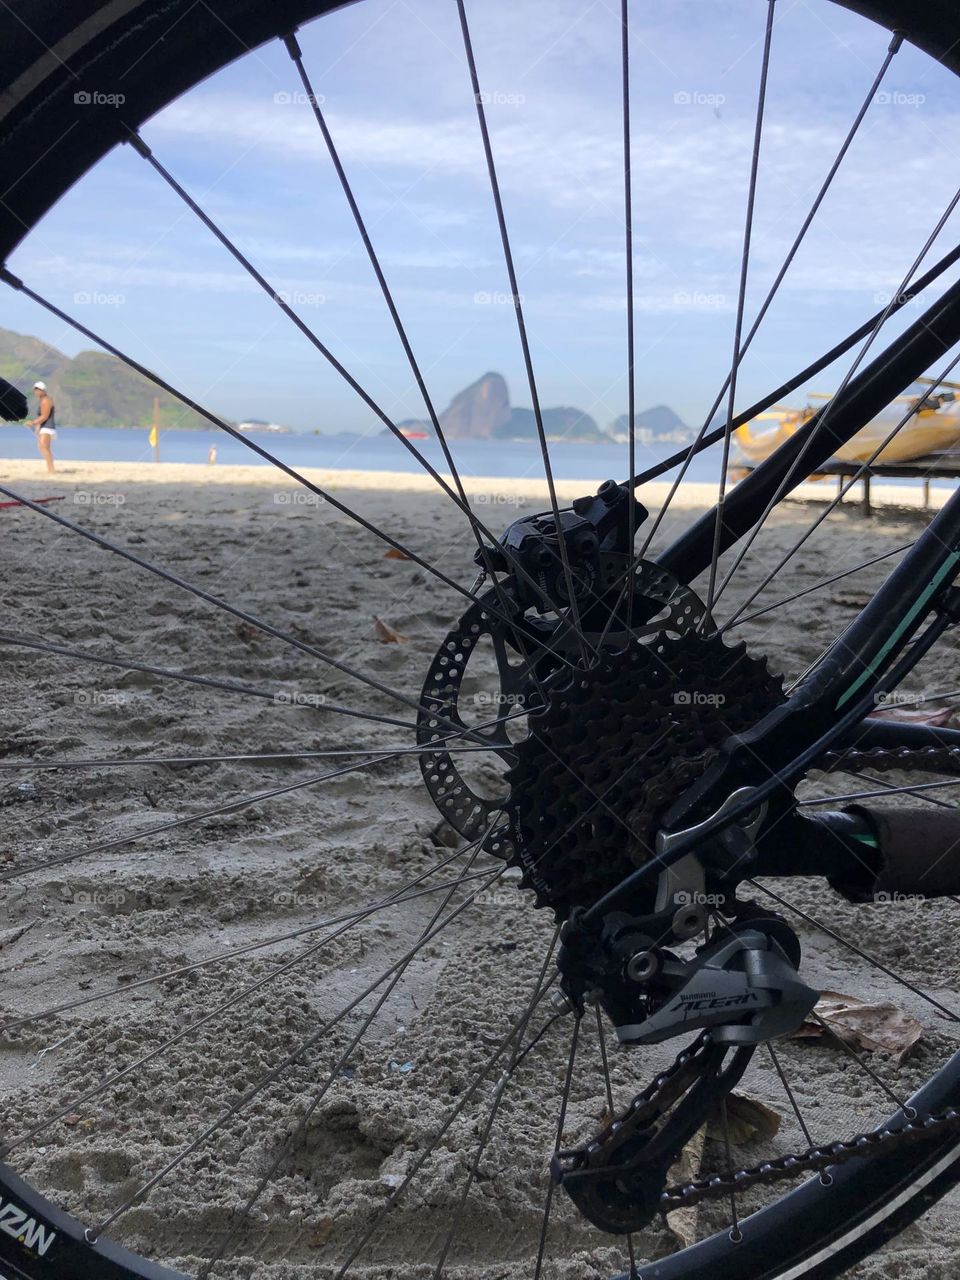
{"x": 818, "y": 1231}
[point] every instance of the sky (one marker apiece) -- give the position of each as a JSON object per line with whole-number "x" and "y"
{"x": 124, "y": 255}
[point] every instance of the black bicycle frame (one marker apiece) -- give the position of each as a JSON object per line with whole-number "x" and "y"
{"x": 856, "y": 663}
{"x": 836, "y": 695}
{"x": 866, "y": 395}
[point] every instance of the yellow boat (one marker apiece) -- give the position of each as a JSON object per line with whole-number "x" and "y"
{"x": 928, "y": 431}
{"x": 775, "y": 428}
{"x": 931, "y": 428}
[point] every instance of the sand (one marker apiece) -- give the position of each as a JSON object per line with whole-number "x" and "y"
{"x": 106, "y": 918}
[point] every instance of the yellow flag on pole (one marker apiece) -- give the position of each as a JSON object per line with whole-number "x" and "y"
{"x": 153, "y": 439}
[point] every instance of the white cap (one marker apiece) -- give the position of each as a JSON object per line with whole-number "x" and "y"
{"x": 39, "y": 386}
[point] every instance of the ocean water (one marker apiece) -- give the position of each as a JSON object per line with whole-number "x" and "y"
{"x": 590, "y": 462}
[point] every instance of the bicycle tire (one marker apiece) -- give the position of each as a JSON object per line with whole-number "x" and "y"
{"x": 819, "y": 1230}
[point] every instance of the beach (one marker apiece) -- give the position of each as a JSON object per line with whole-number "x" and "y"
{"x": 276, "y": 848}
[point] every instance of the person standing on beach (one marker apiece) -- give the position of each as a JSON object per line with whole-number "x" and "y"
{"x": 45, "y": 424}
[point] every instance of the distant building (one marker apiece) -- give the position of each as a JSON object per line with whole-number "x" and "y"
{"x": 257, "y": 424}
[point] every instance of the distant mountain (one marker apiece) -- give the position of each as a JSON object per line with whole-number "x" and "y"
{"x": 91, "y": 390}
{"x": 483, "y": 411}
{"x": 558, "y": 424}
{"x": 659, "y": 420}
{"x": 479, "y": 411}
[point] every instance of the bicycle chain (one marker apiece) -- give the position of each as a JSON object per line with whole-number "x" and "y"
{"x": 721, "y": 1186}
{"x": 676, "y": 1079}
{"x": 885, "y": 759}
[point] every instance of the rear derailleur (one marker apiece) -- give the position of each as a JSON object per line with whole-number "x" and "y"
{"x": 739, "y": 987}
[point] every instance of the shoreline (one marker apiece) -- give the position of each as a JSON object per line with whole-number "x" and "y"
{"x": 487, "y": 490}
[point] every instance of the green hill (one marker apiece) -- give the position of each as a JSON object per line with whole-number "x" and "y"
{"x": 91, "y": 390}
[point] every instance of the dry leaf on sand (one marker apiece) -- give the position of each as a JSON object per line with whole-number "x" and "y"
{"x": 935, "y": 717}
{"x": 385, "y": 633}
{"x": 683, "y": 1223}
{"x": 394, "y": 553}
{"x": 863, "y": 1025}
{"x": 748, "y": 1121}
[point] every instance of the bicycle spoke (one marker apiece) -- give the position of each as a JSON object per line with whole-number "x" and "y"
{"x": 817, "y": 586}
{"x": 248, "y": 948}
{"x": 167, "y": 576}
{"x": 173, "y": 824}
{"x": 863, "y": 1065}
{"x": 282, "y": 1068}
{"x": 209, "y": 682}
{"x": 561, "y": 1119}
{"x": 501, "y": 1085}
{"x": 845, "y": 488}
{"x": 465, "y": 1097}
{"x": 268, "y": 757}
{"x": 741, "y": 303}
{"x": 790, "y": 1094}
{"x": 225, "y": 1006}
{"x": 707, "y": 439}
{"x": 608, "y": 1089}
{"x": 478, "y": 528}
{"x": 823, "y": 417}
{"x": 891, "y": 787}
{"x": 888, "y": 789}
{"x": 736, "y": 1234}
{"x": 145, "y": 152}
{"x": 628, "y": 242}
{"x": 15, "y": 283}
{"x": 851, "y": 946}
{"x": 934, "y": 697}
{"x": 781, "y": 392}
{"x": 473, "y": 732}
{"x": 301, "y": 1127}
{"x": 521, "y": 326}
